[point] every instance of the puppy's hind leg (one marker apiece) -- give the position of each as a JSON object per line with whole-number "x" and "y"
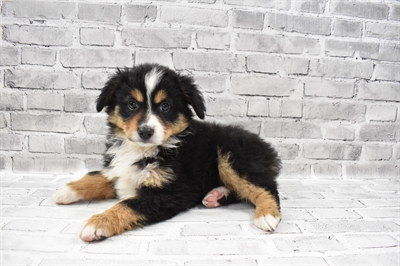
{"x": 93, "y": 185}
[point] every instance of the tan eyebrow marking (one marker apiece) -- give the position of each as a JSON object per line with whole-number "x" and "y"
{"x": 160, "y": 96}
{"x": 137, "y": 95}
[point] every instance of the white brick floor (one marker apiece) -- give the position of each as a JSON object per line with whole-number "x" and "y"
{"x": 337, "y": 222}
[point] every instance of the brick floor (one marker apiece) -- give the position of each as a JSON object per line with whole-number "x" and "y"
{"x": 329, "y": 222}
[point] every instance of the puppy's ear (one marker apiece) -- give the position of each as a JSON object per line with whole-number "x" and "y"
{"x": 108, "y": 91}
{"x": 193, "y": 95}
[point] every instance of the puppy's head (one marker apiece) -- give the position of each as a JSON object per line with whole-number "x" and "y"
{"x": 148, "y": 104}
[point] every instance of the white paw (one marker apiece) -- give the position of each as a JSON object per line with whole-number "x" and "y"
{"x": 89, "y": 233}
{"x": 211, "y": 199}
{"x": 267, "y": 222}
{"x": 66, "y": 195}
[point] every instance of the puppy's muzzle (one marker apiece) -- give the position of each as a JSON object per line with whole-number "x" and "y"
{"x": 145, "y": 132}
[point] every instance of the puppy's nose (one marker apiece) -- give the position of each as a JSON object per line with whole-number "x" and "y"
{"x": 145, "y": 132}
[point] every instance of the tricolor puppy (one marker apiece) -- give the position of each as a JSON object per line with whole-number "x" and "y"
{"x": 160, "y": 161}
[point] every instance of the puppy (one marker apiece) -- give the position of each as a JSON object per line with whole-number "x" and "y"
{"x": 160, "y": 161}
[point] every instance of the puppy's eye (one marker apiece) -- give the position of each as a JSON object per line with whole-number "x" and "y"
{"x": 132, "y": 105}
{"x": 164, "y": 107}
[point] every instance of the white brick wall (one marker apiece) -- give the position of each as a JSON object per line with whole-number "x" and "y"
{"x": 317, "y": 78}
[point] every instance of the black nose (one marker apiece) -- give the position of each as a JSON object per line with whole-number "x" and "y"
{"x": 145, "y": 132}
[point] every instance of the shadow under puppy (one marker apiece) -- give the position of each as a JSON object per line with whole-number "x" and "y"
{"x": 160, "y": 161}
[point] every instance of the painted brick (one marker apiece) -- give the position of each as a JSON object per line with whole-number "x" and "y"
{"x": 80, "y": 102}
{"x": 360, "y": 9}
{"x": 222, "y": 262}
{"x": 307, "y": 244}
{"x": 94, "y": 79}
{"x": 302, "y": 24}
{"x": 96, "y": 58}
{"x": 39, "y": 10}
{"x": 38, "y": 56}
{"x": 390, "y": 72}
{"x": 339, "y": 133}
{"x": 85, "y": 146}
{"x": 194, "y": 16}
{"x": 346, "y": 28}
{"x": 381, "y": 113}
{"x": 2, "y": 162}
{"x": 379, "y": 91}
{"x": 217, "y": 105}
{"x": 331, "y": 171}
{"x": 96, "y": 124}
{"x": 310, "y": 6}
{"x": 50, "y": 243}
{"x": 277, "y": 44}
{"x": 377, "y": 152}
{"x": 247, "y": 20}
{"x": 93, "y": 165}
{"x": 202, "y": 1}
{"x": 45, "y": 101}
{"x": 211, "y": 229}
{"x": 9, "y": 56}
{"x": 387, "y": 258}
{"x": 334, "y": 111}
{"x": 262, "y": 107}
{"x": 49, "y": 165}
{"x": 38, "y": 35}
{"x": 263, "y": 85}
{"x": 395, "y": 12}
{"x": 11, "y": 142}
{"x": 140, "y": 13}
{"x": 277, "y": 64}
{"x": 371, "y": 241}
{"x": 31, "y": 225}
{"x": 335, "y": 68}
{"x": 287, "y": 151}
{"x": 335, "y": 214}
{"x": 65, "y": 123}
{"x": 97, "y": 36}
{"x": 383, "y": 31}
{"x": 159, "y": 57}
{"x": 210, "y": 61}
{"x": 32, "y": 79}
{"x": 295, "y": 129}
{"x": 376, "y": 132}
{"x": 11, "y": 101}
{"x": 3, "y": 121}
{"x": 334, "y": 151}
{"x": 211, "y": 83}
{"x": 389, "y": 52}
{"x": 274, "y": 4}
{"x": 372, "y": 171}
{"x": 99, "y": 12}
{"x": 157, "y": 38}
{"x": 351, "y": 49}
{"x": 348, "y": 226}
{"x": 292, "y": 108}
{"x": 213, "y": 40}
{"x": 398, "y": 152}
{"x": 328, "y": 88}
{"x": 45, "y": 143}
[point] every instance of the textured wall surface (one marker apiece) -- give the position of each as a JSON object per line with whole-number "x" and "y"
{"x": 320, "y": 79}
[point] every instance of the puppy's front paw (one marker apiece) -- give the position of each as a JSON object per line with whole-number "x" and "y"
{"x": 267, "y": 222}
{"x": 66, "y": 195}
{"x": 93, "y": 230}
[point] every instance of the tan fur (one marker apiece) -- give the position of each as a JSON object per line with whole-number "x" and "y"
{"x": 137, "y": 95}
{"x": 174, "y": 129}
{"x": 262, "y": 199}
{"x": 128, "y": 127}
{"x": 157, "y": 176}
{"x": 93, "y": 186}
{"x": 160, "y": 96}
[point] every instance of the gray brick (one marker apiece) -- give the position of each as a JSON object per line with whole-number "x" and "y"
{"x": 372, "y": 171}
{"x": 347, "y": 28}
{"x": 264, "y": 107}
{"x": 149, "y": 56}
{"x": 247, "y": 20}
{"x": 389, "y": 52}
{"x": 210, "y": 61}
{"x": 11, "y": 142}
{"x": 157, "y": 38}
{"x": 194, "y": 16}
{"x": 335, "y": 68}
{"x": 307, "y": 244}
{"x": 381, "y": 113}
{"x": 3, "y": 121}
{"x": 45, "y": 143}
{"x": 81, "y": 102}
{"x": 333, "y": 151}
{"x": 38, "y": 56}
{"x": 295, "y": 170}
{"x": 221, "y": 262}
{"x": 99, "y": 12}
{"x": 31, "y": 79}
{"x": 328, "y": 88}
{"x": 331, "y": 171}
{"x": 339, "y": 133}
{"x": 379, "y": 132}
{"x": 371, "y": 241}
{"x": 211, "y": 83}
{"x": 383, "y": 31}
{"x": 274, "y": 4}
{"x": 308, "y": 25}
{"x": 275, "y": 64}
{"x": 93, "y": 164}
{"x": 63, "y": 123}
{"x": 46, "y": 165}
{"x": 97, "y": 36}
{"x": 39, "y": 10}
{"x": 38, "y": 35}
{"x": 96, "y": 124}
{"x": 213, "y": 40}
{"x": 395, "y": 12}
{"x": 377, "y": 152}
{"x": 379, "y": 91}
{"x": 390, "y": 72}
{"x": 287, "y": 151}
{"x": 85, "y": 146}
{"x": 292, "y": 108}
{"x": 294, "y": 129}
{"x": 2, "y": 162}
{"x": 140, "y": 13}
{"x": 202, "y": 1}
{"x": 45, "y": 101}
{"x": 277, "y": 44}
{"x": 94, "y": 79}
{"x": 334, "y": 111}
{"x": 352, "y": 49}
{"x": 387, "y": 258}
{"x": 398, "y": 152}
{"x": 9, "y": 56}
{"x": 96, "y": 58}
{"x": 310, "y": 6}
{"x": 360, "y": 9}
{"x": 217, "y": 105}
{"x": 348, "y": 226}
{"x": 263, "y": 85}
{"x": 11, "y": 101}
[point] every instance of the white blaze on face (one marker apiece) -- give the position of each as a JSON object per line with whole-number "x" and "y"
{"x": 151, "y": 80}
